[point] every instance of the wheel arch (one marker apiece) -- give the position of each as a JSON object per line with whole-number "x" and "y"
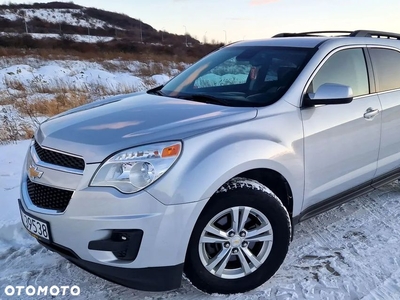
{"x": 273, "y": 180}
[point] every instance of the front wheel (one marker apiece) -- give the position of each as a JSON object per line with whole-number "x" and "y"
{"x": 240, "y": 239}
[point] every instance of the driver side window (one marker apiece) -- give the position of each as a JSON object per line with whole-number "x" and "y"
{"x": 346, "y": 67}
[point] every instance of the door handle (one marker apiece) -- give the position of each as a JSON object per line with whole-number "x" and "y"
{"x": 370, "y": 113}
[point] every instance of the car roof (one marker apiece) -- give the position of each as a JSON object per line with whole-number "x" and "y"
{"x": 310, "y": 40}
{"x": 302, "y": 42}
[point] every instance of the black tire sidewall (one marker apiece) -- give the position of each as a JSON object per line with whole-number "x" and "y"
{"x": 277, "y": 215}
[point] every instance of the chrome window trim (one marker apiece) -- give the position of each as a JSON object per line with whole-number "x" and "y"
{"x": 322, "y": 62}
{"x": 385, "y": 48}
{"x": 389, "y": 91}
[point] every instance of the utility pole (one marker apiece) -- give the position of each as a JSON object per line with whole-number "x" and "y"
{"x": 22, "y": 13}
{"x": 88, "y": 22}
{"x": 141, "y": 31}
{"x": 225, "y": 36}
{"x": 162, "y": 34}
{"x": 186, "y": 35}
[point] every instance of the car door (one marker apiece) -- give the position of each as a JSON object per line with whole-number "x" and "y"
{"x": 341, "y": 141}
{"x": 386, "y": 65}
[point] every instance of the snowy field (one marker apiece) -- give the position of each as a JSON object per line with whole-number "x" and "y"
{"x": 351, "y": 252}
{"x": 112, "y": 75}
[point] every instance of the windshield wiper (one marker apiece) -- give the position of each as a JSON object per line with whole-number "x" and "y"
{"x": 156, "y": 91}
{"x": 205, "y": 98}
{"x": 208, "y": 99}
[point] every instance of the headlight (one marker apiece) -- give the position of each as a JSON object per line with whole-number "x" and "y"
{"x": 134, "y": 169}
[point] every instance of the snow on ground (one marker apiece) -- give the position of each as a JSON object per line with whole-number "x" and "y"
{"x": 351, "y": 252}
{"x": 112, "y": 75}
{"x": 75, "y": 37}
{"x": 74, "y": 74}
{"x": 90, "y": 38}
{"x": 10, "y": 173}
{"x": 39, "y": 79}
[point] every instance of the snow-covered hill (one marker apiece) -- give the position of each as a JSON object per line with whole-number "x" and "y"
{"x": 74, "y": 17}
{"x": 60, "y": 19}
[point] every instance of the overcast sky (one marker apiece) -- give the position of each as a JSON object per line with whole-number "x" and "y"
{"x": 249, "y": 19}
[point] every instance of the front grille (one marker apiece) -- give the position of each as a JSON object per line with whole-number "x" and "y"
{"x": 47, "y": 197}
{"x": 59, "y": 159}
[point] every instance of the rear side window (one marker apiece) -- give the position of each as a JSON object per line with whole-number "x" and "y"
{"x": 345, "y": 67}
{"x": 386, "y": 64}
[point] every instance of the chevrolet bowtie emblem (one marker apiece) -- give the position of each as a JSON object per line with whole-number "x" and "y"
{"x": 34, "y": 172}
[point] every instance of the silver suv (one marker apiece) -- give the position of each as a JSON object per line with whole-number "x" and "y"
{"x": 208, "y": 174}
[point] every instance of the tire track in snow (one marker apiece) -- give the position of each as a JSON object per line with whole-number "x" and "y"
{"x": 389, "y": 289}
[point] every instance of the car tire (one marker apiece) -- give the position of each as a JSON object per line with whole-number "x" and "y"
{"x": 227, "y": 254}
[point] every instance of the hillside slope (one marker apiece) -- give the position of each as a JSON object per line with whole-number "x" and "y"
{"x": 69, "y": 18}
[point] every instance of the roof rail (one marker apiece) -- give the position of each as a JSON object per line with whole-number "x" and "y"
{"x": 311, "y": 33}
{"x": 376, "y": 34}
{"x": 356, "y": 33}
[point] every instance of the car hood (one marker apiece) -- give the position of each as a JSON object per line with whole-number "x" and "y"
{"x": 101, "y": 128}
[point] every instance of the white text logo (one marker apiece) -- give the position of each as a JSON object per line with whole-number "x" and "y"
{"x": 53, "y": 290}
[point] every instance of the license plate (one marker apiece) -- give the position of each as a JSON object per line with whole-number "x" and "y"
{"x": 38, "y": 228}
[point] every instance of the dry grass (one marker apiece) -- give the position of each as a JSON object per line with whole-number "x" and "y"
{"x": 37, "y": 99}
{"x": 16, "y": 90}
{"x": 26, "y": 104}
{"x": 19, "y": 119}
{"x": 52, "y": 107}
{"x": 14, "y": 84}
{"x": 13, "y": 126}
{"x": 52, "y": 54}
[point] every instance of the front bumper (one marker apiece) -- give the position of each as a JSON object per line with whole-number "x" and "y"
{"x": 131, "y": 239}
{"x": 147, "y": 279}
{"x": 95, "y": 214}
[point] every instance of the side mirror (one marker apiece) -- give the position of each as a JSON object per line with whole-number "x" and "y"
{"x": 329, "y": 93}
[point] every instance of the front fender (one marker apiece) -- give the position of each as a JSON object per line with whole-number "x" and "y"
{"x": 210, "y": 160}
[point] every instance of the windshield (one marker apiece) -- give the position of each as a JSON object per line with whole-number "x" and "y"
{"x": 240, "y": 76}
